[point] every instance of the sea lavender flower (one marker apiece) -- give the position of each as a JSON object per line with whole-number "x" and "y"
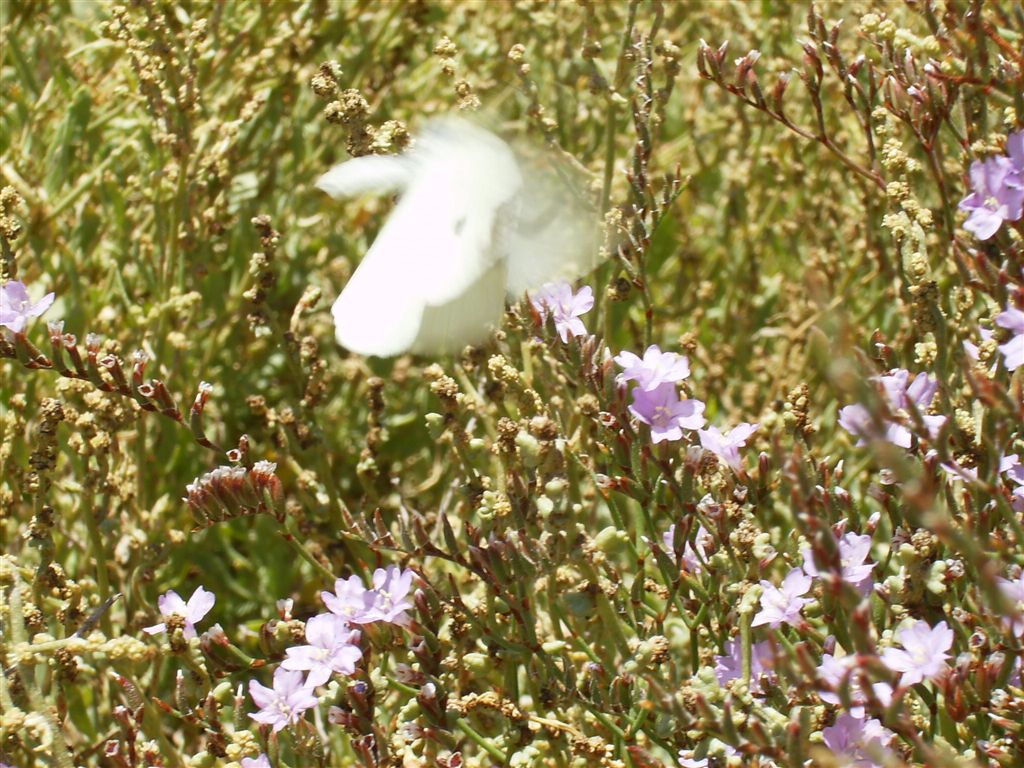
{"x": 973, "y": 350}
{"x": 924, "y": 652}
{"x": 285, "y": 702}
{"x": 1014, "y": 593}
{"x": 834, "y": 672}
{"x": 958, "y": 472}
{"x": 351, "y": 600}
{"x": 855, "y": 739}
{"x": 565, "y": 307}
{"x": 783, "y": 605}
{"x": 900, "y": 396}
{"x": 331, "y": 649}
{"x": 726, "y": 446}
{"x": 1013, "y": 350}
{"x": 854, "y": 551}
{"x": 171, "y": 604}
{"x": 694, "y": 555}
{"x": 663, "y": 411}
{"x": 385, "y": 602}
{"x": 389, "y": 596}
{"x": 729, "y": 666}
{"x": 1011, "y": 466}
{"x": 16, "y": 308}
{"x": 654, "y": 368}
{"x": 997, "y": 190}
{"x": 262, "y": 761}
{"x": 1008, "y": 465}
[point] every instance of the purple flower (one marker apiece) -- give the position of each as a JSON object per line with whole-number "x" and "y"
{"x": 971, "y": 348}
{"x": 654, "y": 369}
{"x": 171, "y": 604}
{"x": 856, "y": 740}
{"x": 783, "y": 606}
{"x": 663, "y": 411}
{"x": 389, "y": 597}
{"x": 351, "y": 600}
{"x": 1013, "y": 591}
{"x": 285, "y": 702}
{"x": 857, "y": 420}
{"x": 998, "y": 193}
{"x": 356, "y": 604}
{"x": 331, "y": 649}
{"x": 957, "y": 472}
{"x": 1011, "y": 466}
{"x": 923, "y": 656}
{"x": 726, "y": 446}
{"x": 256, "y": 762}
{"x": 1013, "y": 350}
{"x": 730, "y": 665}
{"x": 854, "y": 550}
{"x": 835, "y": 671}
{"x": 694, "y": 555}
{"x": 16, "y": 308}
{"x": 565, "y": 307}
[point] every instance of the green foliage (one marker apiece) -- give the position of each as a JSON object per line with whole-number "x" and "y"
{"x": 788, "y": 220}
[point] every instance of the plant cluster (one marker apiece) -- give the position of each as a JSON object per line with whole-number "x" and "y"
{"x": 749, "y": 494}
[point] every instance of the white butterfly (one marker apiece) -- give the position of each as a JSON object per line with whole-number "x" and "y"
{"x": 472, "y": 225}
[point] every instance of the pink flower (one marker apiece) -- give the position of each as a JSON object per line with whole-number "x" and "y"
{"x": 654, "y": 369}
{"x": 1014, "y": 593}
{"x": 957, "y": 472}
{"x": 694, "y": 555}
{"x": 726, "y": 446}
{"x": 331, "y": 649}
{"x": 730, "y": 665}
{"x": 256, "y": 762}
{"x": 923, "y": 656}
{"x": 663, "y": 411}
{"x": 783, "y": 606}
{"x": 837, "y": 671}
{"x": 350, "y": 600}
{"x": 854, "y": 551}
{"x": 997, "y": 190}
{"x": 972, "y": 349}
{"x": 1013, "y": 350}
{"x": 565, "y": 307}
{"x": 899, "y": 396}
{"x": 171, "y": 604}
{"x": 285, "y": 702}
{"x": 856, "y": 740}
{"x": 385, "y": 602}
{"x": 16, "y": 308}
{"x": 1011, "y": 466}
{"x": 390, "y": 592}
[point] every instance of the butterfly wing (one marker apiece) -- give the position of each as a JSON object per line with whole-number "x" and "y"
{"x": 550, "y": 237}
{"x": 371, "y": 173}
{"x": 429, "y": 277}
{"x": 467, "y": 319}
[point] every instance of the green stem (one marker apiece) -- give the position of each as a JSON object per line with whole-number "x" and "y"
{"x": 484, "y": 743}
{"x": 99, "y": 555}
{"x": 289, "y": 535}
{"x": 59, "y": 755}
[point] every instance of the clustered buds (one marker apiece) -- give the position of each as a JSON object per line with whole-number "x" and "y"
{"x": 229, "y": 492}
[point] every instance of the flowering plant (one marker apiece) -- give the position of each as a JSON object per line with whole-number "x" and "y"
{"x": 750, "y": 492}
